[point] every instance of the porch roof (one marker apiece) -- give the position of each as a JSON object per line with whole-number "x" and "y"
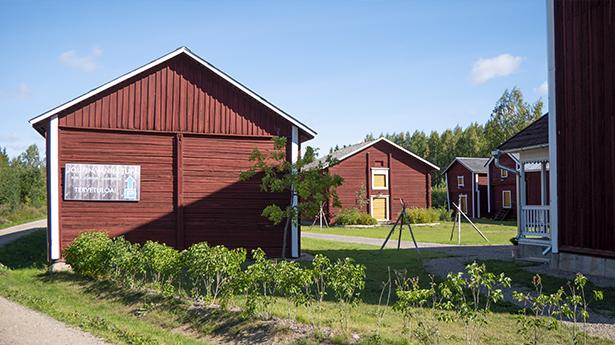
{"x": 533, "y": 136}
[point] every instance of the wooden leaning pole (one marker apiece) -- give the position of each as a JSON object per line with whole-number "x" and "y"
{"x": 401, "y": 221}
{"x": 457, "y": 222}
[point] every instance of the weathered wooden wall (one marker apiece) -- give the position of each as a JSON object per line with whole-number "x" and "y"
{"x": 409, "y": 178}
{"x": 585, "y": 107}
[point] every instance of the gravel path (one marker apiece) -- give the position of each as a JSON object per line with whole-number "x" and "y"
{"x": 22, "y": 326}
{"x": 11, "y": 234}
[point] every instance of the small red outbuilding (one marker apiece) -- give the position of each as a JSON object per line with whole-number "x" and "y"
{"x": 156, "y": 155}
{"x": 382, "y": 173}
{"x": 466, "y": 185}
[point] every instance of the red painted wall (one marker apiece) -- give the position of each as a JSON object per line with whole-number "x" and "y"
{"x": 192, "y": 134}
{"x": 499, "y": 184}
{"x": 584, "y": 88}
{"x": 409, "y": 178}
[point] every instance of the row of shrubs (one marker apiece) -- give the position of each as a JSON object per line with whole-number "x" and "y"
{"x": 353, "y": 216}
{"x": 214, "y": 274}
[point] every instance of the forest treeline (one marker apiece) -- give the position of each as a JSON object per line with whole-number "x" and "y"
{"x": 22, "y": 186}
{"x": 510, "y": 115}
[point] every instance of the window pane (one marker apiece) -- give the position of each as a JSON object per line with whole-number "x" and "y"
{"x": 380, "y": 181}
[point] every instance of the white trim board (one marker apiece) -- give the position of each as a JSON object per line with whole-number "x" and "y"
{"x": 53, "y": 233}
{"x": 181, "y": 50}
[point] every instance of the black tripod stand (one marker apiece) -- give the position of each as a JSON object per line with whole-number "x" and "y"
{"x": 401, "y": 221}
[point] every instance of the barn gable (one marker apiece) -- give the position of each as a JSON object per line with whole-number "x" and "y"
{"x": 179, "y": 92}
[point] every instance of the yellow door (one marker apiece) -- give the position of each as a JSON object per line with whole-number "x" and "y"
{"x": 379, "y": 208}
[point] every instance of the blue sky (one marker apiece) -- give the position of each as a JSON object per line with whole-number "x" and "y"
{"x": 345, "y": 68}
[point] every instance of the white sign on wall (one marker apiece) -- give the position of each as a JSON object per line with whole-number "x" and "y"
{"x": 102, "y": 182}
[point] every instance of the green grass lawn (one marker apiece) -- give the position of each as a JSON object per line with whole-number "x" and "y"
{"x": 21, "y": 215}
{"x": 126, "y": 316}
{"x": 496, "y": 232}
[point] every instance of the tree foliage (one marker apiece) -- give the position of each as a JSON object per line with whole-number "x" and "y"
{"x": 306, "y": 179}
{"x": 22, "y": 180}
{"x": 510, "y": 115}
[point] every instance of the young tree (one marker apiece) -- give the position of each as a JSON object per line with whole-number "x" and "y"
{"x": 313, "y": 186}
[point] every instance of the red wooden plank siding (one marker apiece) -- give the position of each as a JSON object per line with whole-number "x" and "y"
{"x": 177, "y": 96}
{"x": 585, "y": 88}
{"x": 153, "y": 216}
{"x": 408, "y": 178}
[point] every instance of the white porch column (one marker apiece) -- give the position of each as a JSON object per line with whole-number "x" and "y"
{"x": 522, "y": 196}
{"x": 543, "y": 183}
{"x": 294, "y": 230}
{"x": 552, "y": 126}
{"x": 53, "y": 193}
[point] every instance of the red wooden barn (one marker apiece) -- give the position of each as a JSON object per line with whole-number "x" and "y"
{"x": 502, "y": 188}
{"x": 156, "y": 155}
{"x": 386, "y": 172}
{"x": 466, "y": 185}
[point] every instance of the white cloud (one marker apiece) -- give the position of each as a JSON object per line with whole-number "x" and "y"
{"x": 499, "y": 66}
{"x": 87, "y": 63}
{"x": 22, "y": 91}
{"x": 543, "y": 89}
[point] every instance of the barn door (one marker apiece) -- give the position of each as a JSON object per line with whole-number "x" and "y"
{"x": 379, "y": 208}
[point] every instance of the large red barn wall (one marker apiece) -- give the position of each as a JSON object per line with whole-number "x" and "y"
{"x": 585, "y": 105}
{"x": 144, "y": 119}
{"x": 409, "y": 178}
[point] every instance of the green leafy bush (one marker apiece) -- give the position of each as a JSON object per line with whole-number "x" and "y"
{"x": 125, "y": 261}
{"x": 352, "y": 216}
{"x": 88, "y": 255}
{"x": 161, "y": 264}
{"x": 347, "y": 280}
{"x": 423, "y": 215}
{"x": 214, "y": 272}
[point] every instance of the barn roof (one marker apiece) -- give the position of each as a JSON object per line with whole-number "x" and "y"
{"x": 348, "y": 151}
{"x": 474, "y": 164}
{"x": 181, "y": 50}
{"x": 534, "y": 135}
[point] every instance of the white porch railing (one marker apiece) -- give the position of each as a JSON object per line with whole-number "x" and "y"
{"x": 535, "y": 222}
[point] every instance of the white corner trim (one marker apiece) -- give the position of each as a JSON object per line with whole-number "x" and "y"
{"x": 181, "y": 50}
{"x": 53, "y": 170}
{"x": 473, "y": 197}
{"x": 552, "y": 125}
{"x": 489, "y": 186}
{"x": 448, "y": 197}
{"x": 294, "y": 233}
